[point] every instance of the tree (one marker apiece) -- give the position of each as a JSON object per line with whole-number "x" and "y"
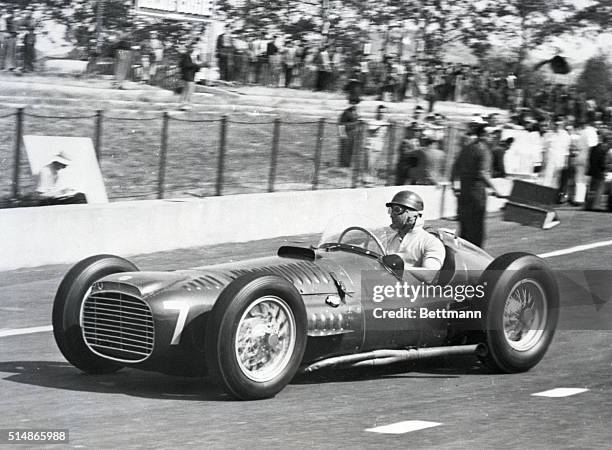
{"x": 597, "y": 14}
{"x": 522, "y": 25}
{"x": 596, "y": 79}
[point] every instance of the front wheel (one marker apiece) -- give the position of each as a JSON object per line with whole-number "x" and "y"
{"x": 522, "y": 312}
{"x": 256, "y": 336}
{"x": 70, "y": 296}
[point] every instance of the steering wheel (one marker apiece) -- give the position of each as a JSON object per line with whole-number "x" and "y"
{"x": 369, "y": 235}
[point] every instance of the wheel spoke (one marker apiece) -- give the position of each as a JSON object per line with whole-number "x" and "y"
{"x": 524, "y": 314}
{"x": 265, "y": 338}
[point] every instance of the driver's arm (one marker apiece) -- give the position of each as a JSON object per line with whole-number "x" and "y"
{"x": 434, "y": 254}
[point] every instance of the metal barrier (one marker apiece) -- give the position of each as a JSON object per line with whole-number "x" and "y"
{"x": 156, "y": 155}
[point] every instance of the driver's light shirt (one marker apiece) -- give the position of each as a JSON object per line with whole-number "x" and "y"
{"x": 418, "y": 248}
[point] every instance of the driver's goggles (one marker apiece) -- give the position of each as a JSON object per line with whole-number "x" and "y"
{"x": 397, "y": 210}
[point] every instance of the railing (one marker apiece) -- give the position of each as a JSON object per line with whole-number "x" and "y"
{"x": 145, "y": 155}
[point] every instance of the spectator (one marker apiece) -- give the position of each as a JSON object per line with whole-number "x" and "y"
{"x": 428, "y": 156}
{"x": 431, "y": 95}
{"x": 298, "y": 71}
{"x": 123, "y": 59}
{"x": 289, "y": 62}
{"x": 323, "y": 63}
{"x": 258, "y": 50}
{"x": 188, "y": 71}
{"x": 409, "y": 153}
{"x": 597, "y": 172}
{"x": 10, "y": 43}
{"x": 429, "y": 164}
{"x": 240, "y": 59}
{"x": 472, "y": 167}
{"x": 374, "y": 161}
{"x": 223, "y": 53}
{"x": 309, "y": 72}
{"x": 556, "y": 151}
{"x": 354, "y": 90}
{"x": 337, "y": 68}
{"x": 272, "y": 55}
{"x": 29, "y": 52}
{"x": 499, "y": 147}
{"x": 156, "y": 54}
{"x": 54, "y": 184}
{"x": 579, "y": 151}
{"x": 348, "y": 130}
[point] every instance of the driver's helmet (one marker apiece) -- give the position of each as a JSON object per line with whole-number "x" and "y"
{"x": 407, "y": 199}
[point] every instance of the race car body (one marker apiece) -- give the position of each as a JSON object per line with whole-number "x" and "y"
{"x": 252, "y": 325}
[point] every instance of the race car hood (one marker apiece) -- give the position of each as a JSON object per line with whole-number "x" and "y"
{"x": 309, "y": 277}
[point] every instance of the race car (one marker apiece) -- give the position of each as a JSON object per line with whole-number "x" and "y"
{"x": 251, "y": 326}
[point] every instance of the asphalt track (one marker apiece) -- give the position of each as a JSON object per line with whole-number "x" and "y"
{"x": 443, "y": 403}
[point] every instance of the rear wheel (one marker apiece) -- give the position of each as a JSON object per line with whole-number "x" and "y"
{"x": 522, "y": 312}
{"x": 256, "y": 336}
{"x": 71, "y": 294}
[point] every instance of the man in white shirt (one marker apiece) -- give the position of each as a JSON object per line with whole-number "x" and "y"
{"x": 53, "y": 180}
{"x": 557, "y": 143}
{"x": 423, "y": 253}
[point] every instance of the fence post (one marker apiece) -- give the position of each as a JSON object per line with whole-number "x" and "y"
{"x": 17, "y": 159}
{"x": 99, "y": 119}
{"x": 357, "y": 153}
{"x": 317, "y": 158}
{"x": 274, "y": 155}
{"x": 221, "y": 158}
{"x": 162, "y": 156}
{"x": 390, "y": 153}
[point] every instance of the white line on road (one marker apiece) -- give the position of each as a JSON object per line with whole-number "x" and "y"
{"x": 404, "y": 427}
{"x": 578, "y": 248}
{"x": 18, "y": 331}
{"x": 560, "y": 392}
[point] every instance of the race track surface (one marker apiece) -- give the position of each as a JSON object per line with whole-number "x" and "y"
{"x": 441, "y": 403}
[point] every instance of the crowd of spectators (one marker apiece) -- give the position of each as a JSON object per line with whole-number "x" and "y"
{"x": 571, "y": 155}
{"x": 274, "y": 60}
{"x": 555, "y": 133}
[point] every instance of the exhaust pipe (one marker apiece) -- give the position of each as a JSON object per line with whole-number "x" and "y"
{"x": 384, "y": 357}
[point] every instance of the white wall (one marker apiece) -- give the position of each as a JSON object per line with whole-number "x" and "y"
{"x": 66, "y": 234}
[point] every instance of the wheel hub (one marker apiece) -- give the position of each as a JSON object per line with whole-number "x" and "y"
{"x": 525, "y": 314}
{"x": 265, "y": 338}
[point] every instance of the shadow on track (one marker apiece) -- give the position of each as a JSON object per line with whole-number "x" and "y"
{"x": 60, "y": 375}
{"x": 152, "y": 385}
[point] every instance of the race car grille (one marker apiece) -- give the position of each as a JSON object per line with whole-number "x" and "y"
{"x": 118, "y": 325}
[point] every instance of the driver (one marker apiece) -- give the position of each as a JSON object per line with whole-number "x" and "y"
{"x": 421, "y": 251}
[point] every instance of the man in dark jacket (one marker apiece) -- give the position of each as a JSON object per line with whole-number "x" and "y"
{"x": 348, "y": 130}
{"x": 29, "y": 53}
{"x": 597, "y": 171}
{"x": 472, "y": 167}
{"x": 188, "y": 70}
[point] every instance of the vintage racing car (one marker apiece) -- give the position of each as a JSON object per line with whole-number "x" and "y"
{"x": 252, "y": 325}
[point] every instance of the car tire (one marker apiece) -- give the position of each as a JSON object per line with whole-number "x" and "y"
{"x": 67, "y": 308}
{"x": 521, "y": 313}
{"x": 256, "y": 336}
